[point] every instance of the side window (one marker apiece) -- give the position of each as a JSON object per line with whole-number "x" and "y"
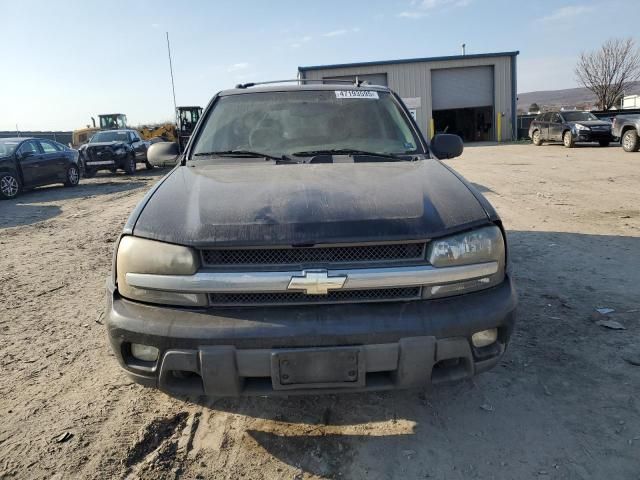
{"x": 555, "y": 118}
{"x": 49, "y": 147}
{"x": 29, "y": 146}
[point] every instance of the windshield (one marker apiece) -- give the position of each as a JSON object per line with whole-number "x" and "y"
{"x": 282, "y": 123}
{"x": 578, "y": 116}
{"x": 7, "y": 147}
{"x": 109, "y": 137}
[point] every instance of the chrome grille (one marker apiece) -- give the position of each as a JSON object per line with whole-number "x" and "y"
{"x": 392, "y": 252}
{"x": 338, "y": 296}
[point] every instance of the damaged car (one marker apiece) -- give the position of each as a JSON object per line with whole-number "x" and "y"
{"x": 309, "y": 240}
{"x": 112, "y": 150}
{"x": 570, "y": 127}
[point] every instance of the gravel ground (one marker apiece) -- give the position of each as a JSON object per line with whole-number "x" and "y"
{"x": 562, "y": 404}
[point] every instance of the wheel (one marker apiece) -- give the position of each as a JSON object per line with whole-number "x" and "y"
{"x": 568, "y": 140}
{"x": 89, "y": 172}
{"x": 536, "y": 139}
{"x": 73, "y": 176}
{"x": 630, "y": 141}
{"x": 9, "y": 185}
{"x": 604, "y": 143}
{"x": 148, "y": 165}
{"x": 130, "y": 165}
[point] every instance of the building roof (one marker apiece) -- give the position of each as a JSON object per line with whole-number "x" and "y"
{"x": 409, "y": 60}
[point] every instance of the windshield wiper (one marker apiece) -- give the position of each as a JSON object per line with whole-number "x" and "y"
{"x": 246, "y": 154}
{"x": 346, "y": 151}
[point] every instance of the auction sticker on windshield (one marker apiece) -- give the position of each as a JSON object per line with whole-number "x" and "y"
{"x": 357, "y": 94}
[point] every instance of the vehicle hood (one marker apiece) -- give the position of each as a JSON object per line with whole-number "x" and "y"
{"x": 106, "y": 144}
{"x": 305, "y": 204}
{"x": 593, "y": 123}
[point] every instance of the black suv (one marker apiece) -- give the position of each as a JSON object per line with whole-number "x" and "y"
{"x": 114, "y": 149}
{"x": 309, "y": 240}
{"x": 570, "y": 127}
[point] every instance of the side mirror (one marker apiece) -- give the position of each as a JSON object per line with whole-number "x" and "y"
{"x": 27, "y": 154}
{"x": 163, "y": 154}
{"x": 446, "y": 145}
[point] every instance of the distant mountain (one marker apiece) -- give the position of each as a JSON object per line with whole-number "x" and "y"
{"x": 566, "y": 97}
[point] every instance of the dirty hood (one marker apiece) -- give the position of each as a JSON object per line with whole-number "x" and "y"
{"x": 269, "y": 204}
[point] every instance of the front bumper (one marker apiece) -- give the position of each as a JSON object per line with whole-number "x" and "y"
{"x": 235, "y": 351}
{"x": 593, "y": 136}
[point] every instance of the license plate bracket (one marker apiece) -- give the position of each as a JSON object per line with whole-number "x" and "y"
{"x": 331, "y": 367}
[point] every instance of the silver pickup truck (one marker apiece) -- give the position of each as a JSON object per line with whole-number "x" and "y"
{"x": 626, "y": 128}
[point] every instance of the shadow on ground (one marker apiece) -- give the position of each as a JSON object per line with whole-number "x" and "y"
{"x": 535, "y": 412}
{"x": 34, "y": 206}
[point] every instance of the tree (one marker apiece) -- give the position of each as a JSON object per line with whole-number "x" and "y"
{"x": 534, "y": 108}
{"x": 608, "y": 71}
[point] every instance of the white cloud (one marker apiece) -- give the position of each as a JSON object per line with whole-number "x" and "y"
{"x": 412, "y": 14}
{"x": 422, "y": 8}
{"x": 565, "y": 13}
{"x": 341, "y": 31}
{"x": 237, "y": 66}
{"x": 336, "y": 33}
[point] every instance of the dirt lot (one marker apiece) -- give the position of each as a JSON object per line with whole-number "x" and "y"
{"x": 564, "y": 403}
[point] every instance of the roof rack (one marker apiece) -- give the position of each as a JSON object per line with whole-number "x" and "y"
{"x": 356, "y": 82}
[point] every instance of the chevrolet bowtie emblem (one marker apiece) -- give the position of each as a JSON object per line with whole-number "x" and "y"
{"x": 316, "y": 282}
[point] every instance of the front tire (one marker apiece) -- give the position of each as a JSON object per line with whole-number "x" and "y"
{"x": 603, "y": 143}
{"x": 130, "y": 165}
{"x": 630, "y": 141}
{"x": 567, "y": 140}
{"x": 73, "y": 176}
{"x": 536, "y": 139}
{"x": 9, "y": 186}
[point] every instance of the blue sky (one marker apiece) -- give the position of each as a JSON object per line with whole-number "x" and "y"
{"x": 62, "y": 62}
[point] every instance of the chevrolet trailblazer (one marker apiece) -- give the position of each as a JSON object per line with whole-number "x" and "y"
{"x": 308, "y": 240}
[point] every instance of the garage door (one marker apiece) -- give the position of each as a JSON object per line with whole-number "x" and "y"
{"x": 461, "y": 88}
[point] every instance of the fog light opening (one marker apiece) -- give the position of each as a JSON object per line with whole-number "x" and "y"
{"x": 145, "y": 353}
{"x": 484, "y": 338}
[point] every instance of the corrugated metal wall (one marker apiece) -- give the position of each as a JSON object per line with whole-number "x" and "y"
{"x": 414, "y": 80}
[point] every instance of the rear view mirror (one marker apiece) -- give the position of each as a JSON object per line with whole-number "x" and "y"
{"x": 163, "y": 154}
{"x": 446, "y": 145}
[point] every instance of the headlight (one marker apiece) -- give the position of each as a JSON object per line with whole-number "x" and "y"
{"x": 477, "y": 246}
{"x": 581, "y": 127}
{"x": 139, "y": 255}
{"x": 119, "y": 151}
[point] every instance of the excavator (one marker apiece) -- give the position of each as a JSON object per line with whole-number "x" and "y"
{"x": 107, "y": 121}
{"x": 186, "y": 119}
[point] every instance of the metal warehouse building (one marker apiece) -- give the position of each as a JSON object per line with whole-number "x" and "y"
{"x": 473, "y": 96}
